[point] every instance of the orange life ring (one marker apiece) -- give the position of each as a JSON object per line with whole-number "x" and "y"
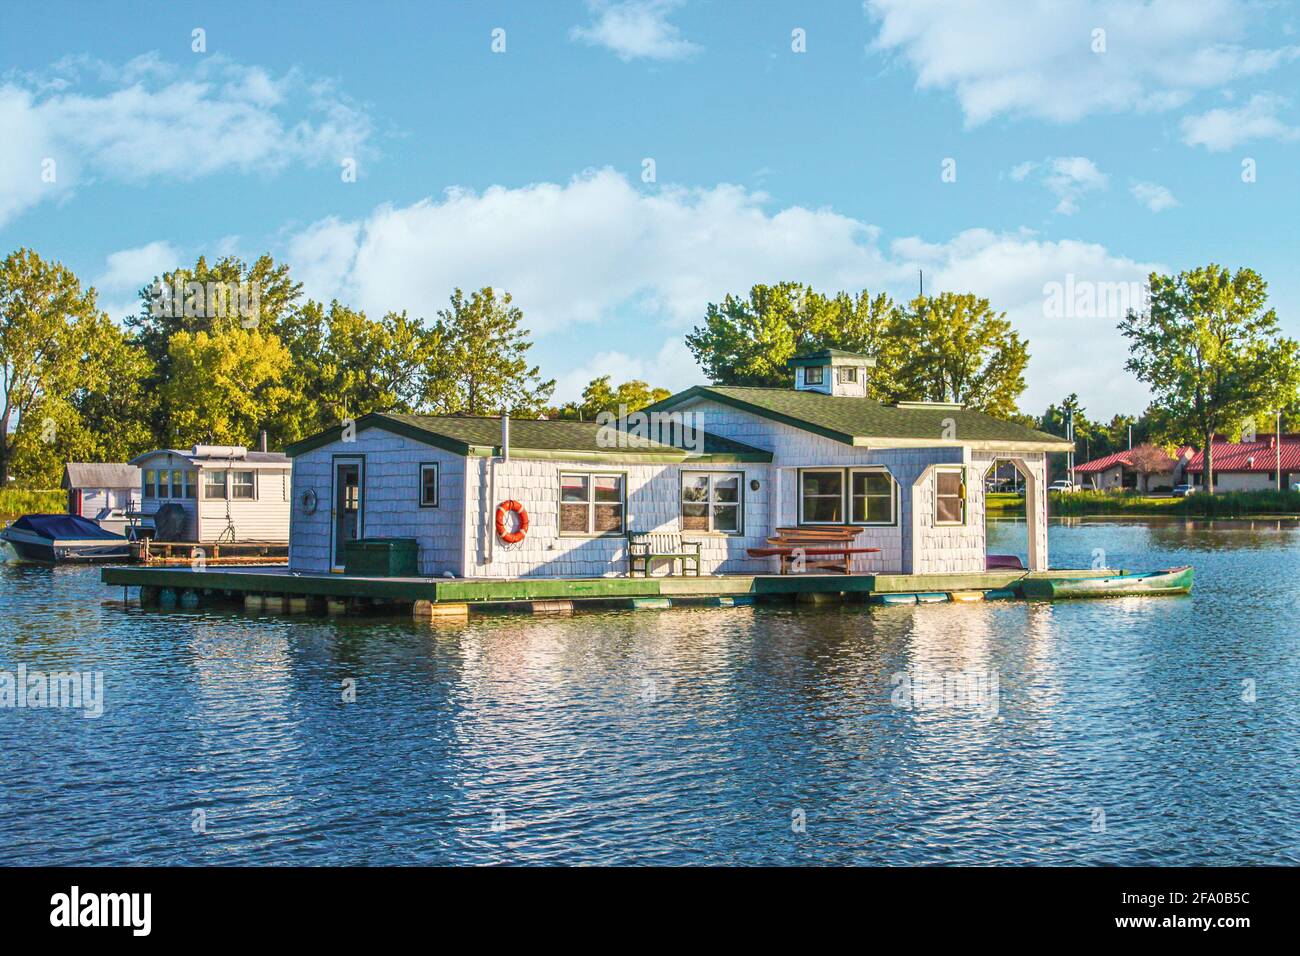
{"x": 512, "y": 537}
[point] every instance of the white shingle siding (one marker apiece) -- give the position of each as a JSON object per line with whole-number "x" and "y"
{"x": 390, "y": 500}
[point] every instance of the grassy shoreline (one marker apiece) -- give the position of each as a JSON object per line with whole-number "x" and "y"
{"x": 1231, "y": 504}
{"x": 16, "y": 502}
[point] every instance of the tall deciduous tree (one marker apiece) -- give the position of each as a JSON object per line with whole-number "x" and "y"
{"x": 1212, "y": 353}
{"x": 748, "y": 340}
{"x": 599, "y": 396}
{"x": 482, "y": 365}
{"x": 47, "y": 324}
{"x": 955, "y": 348}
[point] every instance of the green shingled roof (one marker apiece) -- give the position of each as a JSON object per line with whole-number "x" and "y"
{"x": 863, "y": 421}
{"x": 532, "y": 438}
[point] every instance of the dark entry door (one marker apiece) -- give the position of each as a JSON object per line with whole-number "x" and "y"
{"x": 347, "y": 506}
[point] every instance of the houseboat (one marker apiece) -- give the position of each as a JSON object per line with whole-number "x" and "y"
{"x": 107, "y": 493}
{"x": 216, "y": 494}
{"x": 724, "y": 468}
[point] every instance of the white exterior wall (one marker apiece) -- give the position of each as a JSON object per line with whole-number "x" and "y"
{"x": 263, "y": 518}
{"x": 653, "y": 504}
{"x": 148, "y": 506}
{"x": 95, "y": 500}
{"x": 1035, "y": 463}
{"x": 390, "y": 501}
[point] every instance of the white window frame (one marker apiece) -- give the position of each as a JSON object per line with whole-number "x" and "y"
{"x": 225, "y": 485}
{"x": 709, "y": 500}
{"x": 822, "y": 471}
{"x": 252, "y": 484}
{"x": 424, "y": 467}
{"x": 893, "y": 496}
{"x": 150, "y": 485}
{"x": 591, "y": 477}
{"x": 847, "y": 375}
{"x": 960, "y": 471}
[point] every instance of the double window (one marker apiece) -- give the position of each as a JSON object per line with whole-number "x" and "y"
{"x": 711, "y": 501}
{"x": 949, "y": 496}
{"x": 813, "y": 375}
{"x": 847, "y": 375}
{"x": 592, "y": 504}
{"x": 230, "y": 484}
{"x": 862, "y": 496}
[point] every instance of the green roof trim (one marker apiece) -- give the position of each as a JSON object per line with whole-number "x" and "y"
{"x": 831, "y": 357}
{"x": 863, "y": 421}
{"x": 540, "y": 439}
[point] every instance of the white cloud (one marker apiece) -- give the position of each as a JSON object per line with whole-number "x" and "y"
{"x": 1222, "y": 129}
{"x": 1067, "y": 177}
{"x": 127, "y": 271}
{"x": 1154, "y": 196}
{"x": 1035, "y": 58}
{"x": 636, "y": 28}
{"x": 144, "y": 120}
{"x": 639, "y": 267}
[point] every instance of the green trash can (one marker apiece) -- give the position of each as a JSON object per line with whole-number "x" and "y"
{"x": 382, "y": 557}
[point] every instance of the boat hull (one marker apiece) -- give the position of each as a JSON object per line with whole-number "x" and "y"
{"x": 30, "y": 545}
{"x": 1155, "y": 583}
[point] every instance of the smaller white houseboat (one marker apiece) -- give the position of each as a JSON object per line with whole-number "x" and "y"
{"x": 216, "y": 494}
{"x": 107, "y": 493}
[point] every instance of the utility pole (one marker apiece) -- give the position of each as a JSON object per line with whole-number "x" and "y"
{"x": 1069, "y": 434}
{"x": 1277, "y": 447}
{"x": 1130, "y": 438}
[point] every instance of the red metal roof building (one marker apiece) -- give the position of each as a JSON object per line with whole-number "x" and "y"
{"x": 1240, "y": 466}
{"x": 1116, "y": 471}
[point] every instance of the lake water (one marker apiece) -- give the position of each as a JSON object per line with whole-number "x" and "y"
{"x": 1134, "y": 731}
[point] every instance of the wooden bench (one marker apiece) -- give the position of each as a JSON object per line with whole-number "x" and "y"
{"x": 644, "y": 549}
{"x": 822, "y": 548}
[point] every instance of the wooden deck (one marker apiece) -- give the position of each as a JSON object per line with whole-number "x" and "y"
{"x": 278, "y": 586}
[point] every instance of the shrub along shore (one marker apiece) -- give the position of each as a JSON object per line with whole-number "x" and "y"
{"x": 1230, "y": 504}
{"x": 15, "y": 502}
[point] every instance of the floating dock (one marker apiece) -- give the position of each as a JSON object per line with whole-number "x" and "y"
{"x": 279, "y": 589}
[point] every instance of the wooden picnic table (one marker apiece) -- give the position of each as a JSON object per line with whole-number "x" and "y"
{"x": 819, "y": 544}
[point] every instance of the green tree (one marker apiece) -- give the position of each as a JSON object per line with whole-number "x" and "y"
{"x": 213, "y": 298}
{"x": 748, "y": 340}
{"x": 959, "y": 350}
{"x": 481, "y": 362}
{"x": 1212, "y": 353}
{"x": 49, "y": 336}
{"x": 599, "y": 396}
{"x": 224, "y": 386}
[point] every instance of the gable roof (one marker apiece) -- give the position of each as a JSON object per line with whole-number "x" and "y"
{"x": 96, "y": 474}
{"x": 864, "y": 421}
{"x": 479, "y": 436}
{"x": 1256, "y": 456}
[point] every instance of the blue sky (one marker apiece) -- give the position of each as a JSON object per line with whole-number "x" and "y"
{"x": 1078, "y": 156}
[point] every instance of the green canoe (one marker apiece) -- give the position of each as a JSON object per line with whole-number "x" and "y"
{"x": 1171, "y": 581}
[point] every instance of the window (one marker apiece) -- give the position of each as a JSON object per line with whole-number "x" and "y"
{"x": 191, "y": 484}
{"x": 214, "y": 484}
{"x": 949, "y": 496}
{"x": 821, "y": 497}
{"x": 812, "y": 375}
{"x": 847, "y": 376}
{"x": 242, "y": 484}
{"x": 711, "y": 502}
{"x": 429, "y": 485}
{"x": 591, "y": 504}
{"x": 151, "y": 484}
{"x": 871, "y": 496}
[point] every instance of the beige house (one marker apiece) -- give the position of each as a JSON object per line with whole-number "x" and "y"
{"x": 225, "y": 492}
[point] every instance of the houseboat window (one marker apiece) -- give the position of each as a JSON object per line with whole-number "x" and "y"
{"x": 847, "y": 375}
{"x": 214, "y": 484}
{"x": 151, "y": 483}
{"x": 949, "y": 496}
{"x": 711, "y": 502}
{"x": 241, "y": 484}
{"x": 191, "y": 484}
{"x": 871, "y": 497}
{"x": 591, "y": 504}
{"x": 821, "y": 497}
{"x": 429, "y": 485}
{"x": 178, "y": 484}
{"x": 812, "y": 375}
